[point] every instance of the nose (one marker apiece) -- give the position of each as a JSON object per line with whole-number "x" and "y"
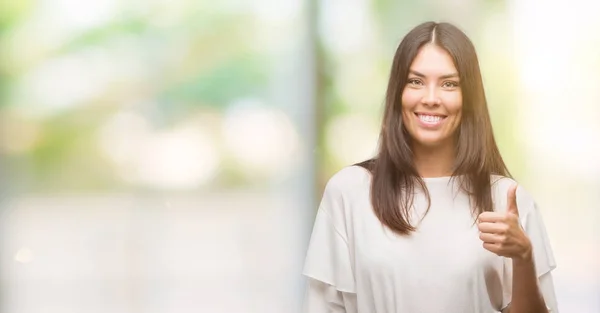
{"x": 431, "y": 96}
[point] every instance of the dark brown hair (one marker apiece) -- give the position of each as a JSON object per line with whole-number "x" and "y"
{"x": 394, "y": 175}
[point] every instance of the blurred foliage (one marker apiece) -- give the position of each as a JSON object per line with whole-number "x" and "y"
{"x": 237, "y": 78}
{"x": 11, "y": 12}
{"x": 135, "y": 26}
{"x": 205, "y": 60}
{"x": 69, "y": 152}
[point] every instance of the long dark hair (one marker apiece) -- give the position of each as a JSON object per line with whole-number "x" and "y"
{"x": 394, "y": 175}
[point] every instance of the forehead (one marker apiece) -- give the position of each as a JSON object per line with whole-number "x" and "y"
{"x": 433, "y": 60}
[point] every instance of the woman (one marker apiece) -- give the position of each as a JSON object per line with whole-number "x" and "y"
{"x": 433, "y": 223}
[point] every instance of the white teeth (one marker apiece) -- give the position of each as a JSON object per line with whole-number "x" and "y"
{"x": 429, "y": 118}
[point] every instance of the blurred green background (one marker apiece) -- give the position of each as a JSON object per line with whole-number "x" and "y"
{"x": 87, "y": 89}
{"x": 168, "y": 156}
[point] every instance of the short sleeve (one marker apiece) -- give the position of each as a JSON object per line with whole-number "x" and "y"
{"x": 543, "y": 256}
{"x": 324, "y": 298}
{"x": 536, "y": 230}
{"x": 328, "y": 257}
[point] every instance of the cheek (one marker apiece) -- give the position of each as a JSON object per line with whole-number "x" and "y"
{"x": 410, "y": 98}
{"x": 409, "y": 101}
{"x": 456, "y": 110}
{"x": 454, "y": 104}
{"x": 406, "y": 108}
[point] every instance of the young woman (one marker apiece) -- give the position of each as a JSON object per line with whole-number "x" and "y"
{"x": 433, "y": 223}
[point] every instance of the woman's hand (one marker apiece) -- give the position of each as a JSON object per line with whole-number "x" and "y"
{"x": 502, "y": 233}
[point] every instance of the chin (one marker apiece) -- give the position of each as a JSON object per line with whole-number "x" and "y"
{"x": 430, "y": 142}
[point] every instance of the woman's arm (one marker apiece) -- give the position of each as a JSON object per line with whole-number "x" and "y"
{"x": 546, "y": 287}
{"x": 526, "y": 295}
{"x": 503, "y": 234}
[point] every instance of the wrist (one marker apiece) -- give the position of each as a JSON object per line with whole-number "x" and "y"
{"x": 524, "y": 258}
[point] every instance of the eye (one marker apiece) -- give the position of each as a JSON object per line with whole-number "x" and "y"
{"x": 450, "y": 84}
{"x": 415, "y": 82}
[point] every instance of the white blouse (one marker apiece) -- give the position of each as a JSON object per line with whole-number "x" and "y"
{"x": 356, "y": 265}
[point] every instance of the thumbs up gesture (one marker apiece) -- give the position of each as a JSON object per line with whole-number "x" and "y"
{"x": 501, "y": 232}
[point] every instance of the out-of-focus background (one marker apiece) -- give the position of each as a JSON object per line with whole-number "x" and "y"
{"x": 168, "y": 156}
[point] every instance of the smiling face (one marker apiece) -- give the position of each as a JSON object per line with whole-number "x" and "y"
{"x": 432, "y": 98}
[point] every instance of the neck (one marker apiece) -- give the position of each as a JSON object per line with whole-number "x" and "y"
{"x": 434, "y": 161}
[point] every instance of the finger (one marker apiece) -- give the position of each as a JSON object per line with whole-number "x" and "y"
{"x": 491, "y": 217}
{"x": 492, "y": 247}
{"x": 512, "y": 200}
{"x": 491, "y": 238}
{"x": 493, "y": 228}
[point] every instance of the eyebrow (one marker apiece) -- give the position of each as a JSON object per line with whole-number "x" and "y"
{"x": 441, "y": 77}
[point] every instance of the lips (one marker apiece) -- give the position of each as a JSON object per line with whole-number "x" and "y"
{"x": 430, "y": 119}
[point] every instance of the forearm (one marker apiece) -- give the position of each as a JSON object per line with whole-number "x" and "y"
{"x": 526, "y": 295}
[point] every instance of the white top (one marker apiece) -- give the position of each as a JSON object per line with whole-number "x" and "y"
{"x": 355, "y": 265}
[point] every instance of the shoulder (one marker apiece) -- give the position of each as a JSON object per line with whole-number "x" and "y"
{"x": 346, "y": 187}
{"x": 343, "y": 190}
{"x": 349, "y": 180}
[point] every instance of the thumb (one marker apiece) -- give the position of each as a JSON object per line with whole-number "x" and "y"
{"x": 512, "y": 200}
